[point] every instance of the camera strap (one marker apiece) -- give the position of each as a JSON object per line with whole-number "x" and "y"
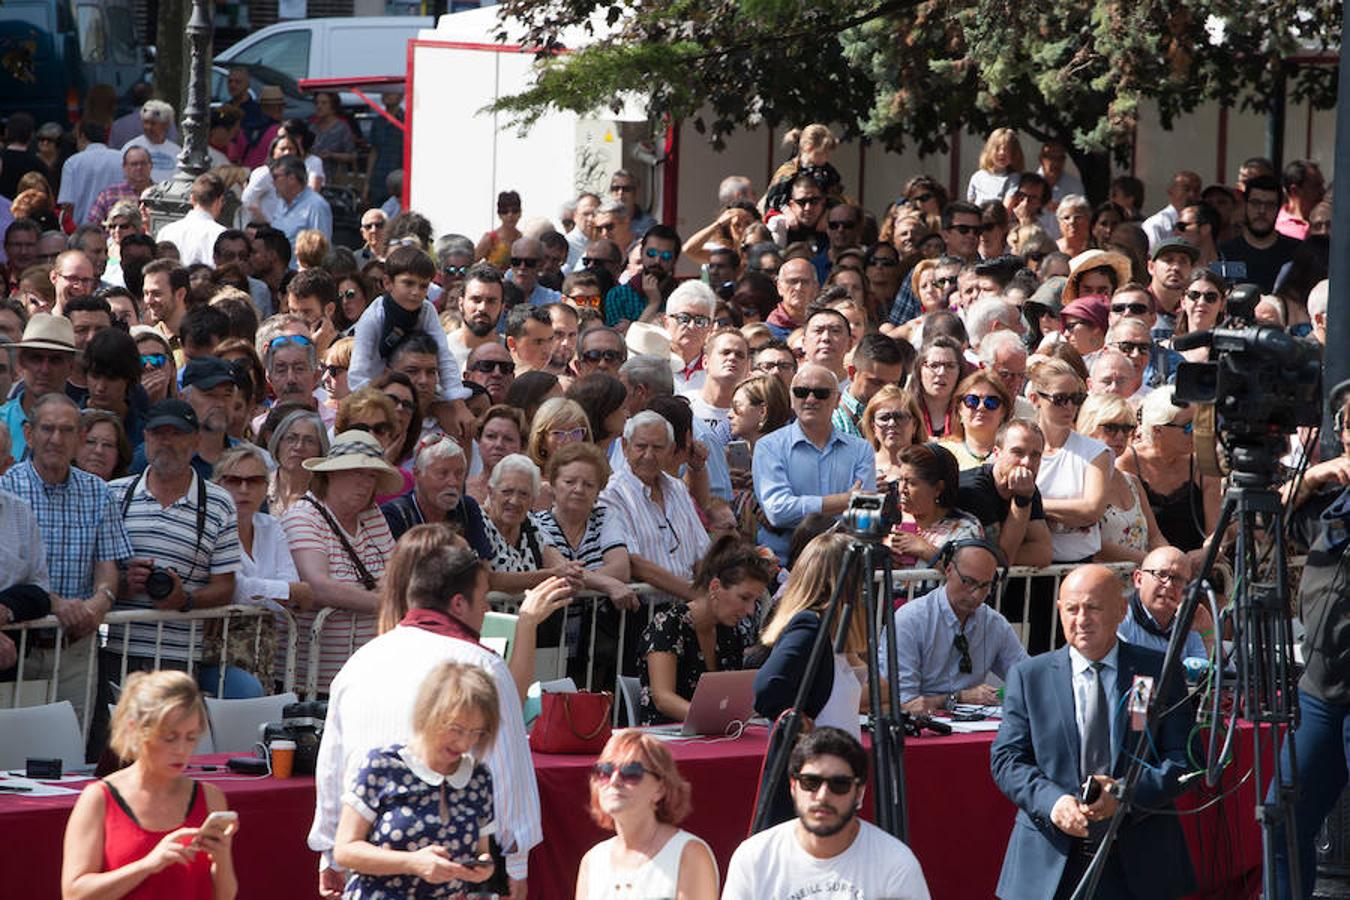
{"x": 201, "y": 515}
{"x": 362, "y": 573}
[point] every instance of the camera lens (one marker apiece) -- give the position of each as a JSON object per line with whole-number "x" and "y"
{"x": 158, "y": 584}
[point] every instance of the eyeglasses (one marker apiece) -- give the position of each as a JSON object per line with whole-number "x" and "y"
{"x": 1206, "y": 296}
{"x": 282, "y": 340}
{"x": 1120, "y": 429}
{"x": 1132, "y": 348}
{"x": 839, "y": 785}
{"x": 371, "y": 226}
{"x": 76, "y": 279}
{"x": 949, "y": 281}
{"x": 153, "y": 360}
{"x": 663, "y": 255}
{"x": 237, "y": 481}
{"x": 1166, "y": 577}
{"x": 938, "y": 365}
{"x": 622, "y": 188}
{"x": 455, "y": 271}
{"x": 609, "y": 356}
{"x": 1185, "y": 428}
{"x": 629, "y": 773}
{"x": 1009, "y": 376}
{"x": 459, "y": 734}
{"x": 295, "y": 439}
{"x": 801, "y": 392}
{"x": 605, "y": 227}
{"x": 884, "y": 262}
{"x": 402, "y": 403}
{"x": 965, "y": 229}
{"x": 583, "y": 300}
{"x": 1067, "y": 325}
{"x": 807, "y": 201}
{"x": 567, "y": 435}
{"x": 504, "y": 366}
{"x": 1134, "y": 309}
{"x": 837, "y": 225}
{"x": 974, "y": 585}
{"x": 892, "y": 417}
{"x": 524, "y": 262}
{"x": 771, "y": 367}
{"x": 691, "y": 319}
{"x": 379, "y": 429}
{"x": 1075, "y": 399}
{"x": 593, "y": 262}
{"x": 988, "y": 401}
{"x": 962, "y": 645}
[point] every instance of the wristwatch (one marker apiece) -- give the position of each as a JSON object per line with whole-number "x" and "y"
{"x": 1022, "y": 502}
{"x": 187, "y": 603}
{"x": 112, "y": 598}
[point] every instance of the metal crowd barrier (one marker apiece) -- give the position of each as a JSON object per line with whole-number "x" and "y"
{"x": 196, "y": 620}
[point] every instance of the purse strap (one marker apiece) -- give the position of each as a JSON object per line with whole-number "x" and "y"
{"x": 367, "y": 580}
{"x": 604, "y": 719}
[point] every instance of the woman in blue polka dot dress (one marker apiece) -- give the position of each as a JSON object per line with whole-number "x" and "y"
{"x": 416, "y": 820}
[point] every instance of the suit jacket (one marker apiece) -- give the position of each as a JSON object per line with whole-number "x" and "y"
{"x": 1035, "y": 761}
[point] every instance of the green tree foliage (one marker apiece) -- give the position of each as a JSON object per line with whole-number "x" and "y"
{"x": 904, "y": 72}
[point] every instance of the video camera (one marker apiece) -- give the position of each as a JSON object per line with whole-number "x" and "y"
{"x": 303, "y": 723}
{"x": 872, "y": 516}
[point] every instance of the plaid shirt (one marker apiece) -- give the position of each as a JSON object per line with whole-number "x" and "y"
{"x": 906, "y": 305}
{"x": 79, "y": 522}
{"x": 109, "y": 196}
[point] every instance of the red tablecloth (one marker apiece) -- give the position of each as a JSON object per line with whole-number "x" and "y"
{"x": 959, "y": 822}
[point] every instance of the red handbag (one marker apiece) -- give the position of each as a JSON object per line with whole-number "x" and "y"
{"x": 575, "y": 722}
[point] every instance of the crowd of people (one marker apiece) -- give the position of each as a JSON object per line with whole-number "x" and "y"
{"x": 253, "y": 415}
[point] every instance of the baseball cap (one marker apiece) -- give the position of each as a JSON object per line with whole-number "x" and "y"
{"x": 172, "y": 412}
{"x": 207, "y": 372}
{"x": 1172, "y": 244}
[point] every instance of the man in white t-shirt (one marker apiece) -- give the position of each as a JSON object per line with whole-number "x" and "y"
{"x": 827, "y": 852}
{"x": 726, "y": 362}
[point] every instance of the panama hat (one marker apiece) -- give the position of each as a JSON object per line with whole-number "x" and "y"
{"x": 1096, "y": 259}
{"x": 45, "y": 331}
{"x": 647, "y": 339}
{"x": 271, "y": 94}
{"x": 355, "y": 450}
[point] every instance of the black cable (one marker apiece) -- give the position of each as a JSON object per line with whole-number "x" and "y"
{"x": 1163, "y": 811}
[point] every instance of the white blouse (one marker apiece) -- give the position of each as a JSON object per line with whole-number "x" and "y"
{"x": 265, "y": 574}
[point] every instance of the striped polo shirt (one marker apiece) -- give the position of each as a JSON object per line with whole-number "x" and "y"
{"x": 168, "y": 535}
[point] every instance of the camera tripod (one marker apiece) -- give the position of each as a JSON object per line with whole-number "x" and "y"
{"x": 1265, "y": 691}
{"x": 863, "y": 557}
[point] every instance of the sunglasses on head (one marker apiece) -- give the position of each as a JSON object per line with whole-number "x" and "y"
{"x": 282, "y": 340}
{"x": 1134, "y": 309}
{"x": 663, "y": 255}
{"x": 629, "y": 773}
{"x": 505, "y": 366}
{"x": 524, "y": 262}
{"x": 609, "y": 356}
{"x": 988, "y": 401}
{"x": 1075, "y": 399}
{"x": 801, "y": 392}
{"x": 838, "y": 784}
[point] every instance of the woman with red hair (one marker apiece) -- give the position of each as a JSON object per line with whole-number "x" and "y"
{"x": 638, "y": 793}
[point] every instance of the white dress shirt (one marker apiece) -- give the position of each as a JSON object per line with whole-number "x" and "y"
{"x": 673, "y": 538}
{"x": 370, "y": 705}
{"x": 265, "y": 575}
{"x": 194, "y": 235}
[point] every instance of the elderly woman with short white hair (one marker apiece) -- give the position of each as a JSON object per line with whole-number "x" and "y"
{"x": 520, "y": 560}
{"x": 299, "y": 436}
{"x": 439, "y": 467}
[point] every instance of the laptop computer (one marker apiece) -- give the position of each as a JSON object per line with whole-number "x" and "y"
{"x": 720, "y": 699}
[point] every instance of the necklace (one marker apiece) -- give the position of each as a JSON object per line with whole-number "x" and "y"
{"x": 979, "y": 456}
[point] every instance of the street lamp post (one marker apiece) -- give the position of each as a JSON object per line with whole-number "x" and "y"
{"x": 169, "y": 201}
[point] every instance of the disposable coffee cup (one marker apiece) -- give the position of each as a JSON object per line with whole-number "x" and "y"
{"x": 283, "y": 758}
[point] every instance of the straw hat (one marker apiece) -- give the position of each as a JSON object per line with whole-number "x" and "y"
{"x": 271, "y": 94}
{"x": 1096, "y": 259}
{"x": 356, "y": 450}
{"x": 45, "y": 331}
{"x": 646, "y": 339}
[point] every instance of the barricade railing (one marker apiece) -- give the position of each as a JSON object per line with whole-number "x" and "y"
{"x": 117, "y": 627}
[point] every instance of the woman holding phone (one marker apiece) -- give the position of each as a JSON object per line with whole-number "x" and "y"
{"x": 148, "y": 831}
{"x": 416, "y": 817}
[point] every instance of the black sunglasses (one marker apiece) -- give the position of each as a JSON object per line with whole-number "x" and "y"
{"x": 1075, "y": 399}
{"x": 629, "y": 772}
{"x": 838, "y": 784}
{"x": 966, "y": 229}
{"x": 963, "y": 647}
{"x": 609, "y": 356}
{"x": 505, "y": 366}
{"x": 1134, "y": 309}
{"x": 974, "y": 401}
{"x": 820, "y": 393}
{"x": 837, "y": 225}
{"x": 455, "y": 271}
{"x": 524, "y": 262}
{"x": 379, "y": 429}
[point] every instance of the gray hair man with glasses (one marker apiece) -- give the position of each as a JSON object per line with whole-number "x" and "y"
{"x": 949, "y": 641}
{"x": 1159, "y": 583}
{"x": 688, "y": 319}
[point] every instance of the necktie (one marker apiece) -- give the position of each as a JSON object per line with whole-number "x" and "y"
{"x": 1096, "y": 727}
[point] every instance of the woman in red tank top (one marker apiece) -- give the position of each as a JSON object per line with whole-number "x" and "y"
{"x": 137, "y": 834}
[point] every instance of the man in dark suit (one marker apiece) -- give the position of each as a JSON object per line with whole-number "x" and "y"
{"x": 1065, "y": 719}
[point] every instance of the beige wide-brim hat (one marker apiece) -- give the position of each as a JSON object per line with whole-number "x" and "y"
{"x": 647, "y": 339}
{"x": 358, "y": 450}
{"x": 1096, "y": 259}
{"x": 45, "y": 331}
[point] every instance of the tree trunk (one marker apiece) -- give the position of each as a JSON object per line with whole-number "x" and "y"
{"x": 171, "y": 54}
{"x": 1095, "y": 168}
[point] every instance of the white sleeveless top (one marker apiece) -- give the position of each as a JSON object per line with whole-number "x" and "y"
{"x": 841, "y": 709}
{"x": 1061, "y": 476}
{"x": 655, "y": 879}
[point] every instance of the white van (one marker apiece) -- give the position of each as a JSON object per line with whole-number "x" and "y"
{"x": 331, "y": 47}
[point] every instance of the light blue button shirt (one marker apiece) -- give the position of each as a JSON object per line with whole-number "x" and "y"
{"x": 307, "y": 210}
{"x": 793, "y": 476}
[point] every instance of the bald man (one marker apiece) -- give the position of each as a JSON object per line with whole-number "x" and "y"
{"x": 1076, "y": 698}
{"x": 1113, "y": 373}
{"x": 526, "y": 258}
{"x": 1159, "y": 585}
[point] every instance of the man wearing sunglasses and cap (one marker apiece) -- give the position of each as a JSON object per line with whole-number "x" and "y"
{"x": 827, "y": 850}
{"x": 809, "y": 466}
